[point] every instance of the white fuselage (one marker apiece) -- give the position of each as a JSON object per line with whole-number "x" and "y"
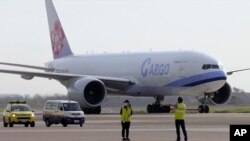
{"x": 154, "y": 73}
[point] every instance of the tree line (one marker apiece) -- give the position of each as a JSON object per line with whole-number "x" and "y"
{"x": 36, "y": 102}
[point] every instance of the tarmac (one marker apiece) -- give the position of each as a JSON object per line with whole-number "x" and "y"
{"x": 144, "y": 127}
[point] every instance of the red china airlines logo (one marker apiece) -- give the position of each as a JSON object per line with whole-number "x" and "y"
{"x": 57, "y": 38}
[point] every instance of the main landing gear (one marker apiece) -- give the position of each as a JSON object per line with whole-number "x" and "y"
{"x": 95, "y": 110}
{"x": 203, "y": 108}
{"x": 157, "y": 107}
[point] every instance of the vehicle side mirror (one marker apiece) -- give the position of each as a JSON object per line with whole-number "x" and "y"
{"x": 61, "y": 108}
{"x": 8, "y": 111}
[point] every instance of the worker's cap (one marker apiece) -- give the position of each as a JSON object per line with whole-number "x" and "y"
{"x": 180, "y": 99}
{"x": 126, "y": 101}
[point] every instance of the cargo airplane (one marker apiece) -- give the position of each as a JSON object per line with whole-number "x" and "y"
{"x": 89, "y": 78}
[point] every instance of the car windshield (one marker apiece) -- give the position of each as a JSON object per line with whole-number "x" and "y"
{"x": 71, "y": 107}
{"x": 20, "y": 108}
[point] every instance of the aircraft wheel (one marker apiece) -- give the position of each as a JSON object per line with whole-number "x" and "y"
{"x": 149, "y": 108}
{"x": 165, "y": 109}
{"x": 201, "y": 109}
{"x": 95, "y": 110}
{"x": 206, "y": 109}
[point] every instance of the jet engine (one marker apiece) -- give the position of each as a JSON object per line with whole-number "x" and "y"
{"x": 89, "y": 92}
{"x": 221, "y": 96}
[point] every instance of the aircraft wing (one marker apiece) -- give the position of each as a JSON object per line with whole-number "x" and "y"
{"x": 231, "y": 72}
{"x": 111, "y": 83}
{"x": 27, "y": 66}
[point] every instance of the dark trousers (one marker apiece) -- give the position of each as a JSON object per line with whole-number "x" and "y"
{"x": 178, "y": 124}
{"x": 125, "y": 128}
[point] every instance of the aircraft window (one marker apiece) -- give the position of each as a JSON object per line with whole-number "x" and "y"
{"x": 204, "y": 67}
{"x": 215, "y": 66}
{"x": 210, "y": 66}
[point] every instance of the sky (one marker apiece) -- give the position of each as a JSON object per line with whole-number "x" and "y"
{"x": 220, "y": 28}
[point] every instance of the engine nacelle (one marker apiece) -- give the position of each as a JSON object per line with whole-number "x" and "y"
{"x": 221, "y": 96}
{"x": 89, "y": 92}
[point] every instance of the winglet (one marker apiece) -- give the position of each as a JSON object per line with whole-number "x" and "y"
{"x": 59, "y": 42}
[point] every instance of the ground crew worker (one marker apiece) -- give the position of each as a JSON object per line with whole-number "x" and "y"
{"x": 126, "y": 113}
{"x": 180, "y": 111}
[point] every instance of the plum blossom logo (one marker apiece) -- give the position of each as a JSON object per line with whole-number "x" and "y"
{"x": 57, "y": 37}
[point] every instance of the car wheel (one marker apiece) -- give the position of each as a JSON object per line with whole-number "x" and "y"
{"x": 32, "y": 124}
{"x": 26, "y": 124}
{"x": 80, "y": 124}
{"x": 4, "y": 123}
{"x": 64, "y": 123}
{"x": 10, "y": 123}
{"x": 47, "y": 123}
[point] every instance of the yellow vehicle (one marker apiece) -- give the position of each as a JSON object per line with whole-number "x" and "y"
{"x": 18, "y": 113}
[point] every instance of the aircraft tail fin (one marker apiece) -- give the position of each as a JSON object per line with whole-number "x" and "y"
{"x": 59, "y": 42}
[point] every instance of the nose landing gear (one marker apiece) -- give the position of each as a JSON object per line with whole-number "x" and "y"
{"x": 203, "y": 108}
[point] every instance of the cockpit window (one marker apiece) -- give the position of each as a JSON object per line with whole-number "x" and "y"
{"x": 215, "y": 66}
{"x": 210, "y": 66}
{"x": 204, "y": 67}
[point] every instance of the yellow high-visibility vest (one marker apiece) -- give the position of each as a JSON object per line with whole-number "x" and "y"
{"x": 126, "y": 114}
{"x": 180, "y": 111}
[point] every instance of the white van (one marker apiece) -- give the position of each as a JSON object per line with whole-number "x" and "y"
{"x": 64, "y": 112}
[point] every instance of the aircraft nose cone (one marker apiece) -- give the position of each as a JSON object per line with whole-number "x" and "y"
{"x": 223, "y": 74}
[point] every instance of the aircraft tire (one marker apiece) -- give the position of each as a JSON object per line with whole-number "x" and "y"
{"x": 206, "y": 109}
{"x": 95, "y": 110}
{"x": 149, "y": 108}
{"x": 201, "y": 109}
{"x": 165, "y": 109}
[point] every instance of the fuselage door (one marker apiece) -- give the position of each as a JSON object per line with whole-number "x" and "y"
{"x": 183, "y": 68}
